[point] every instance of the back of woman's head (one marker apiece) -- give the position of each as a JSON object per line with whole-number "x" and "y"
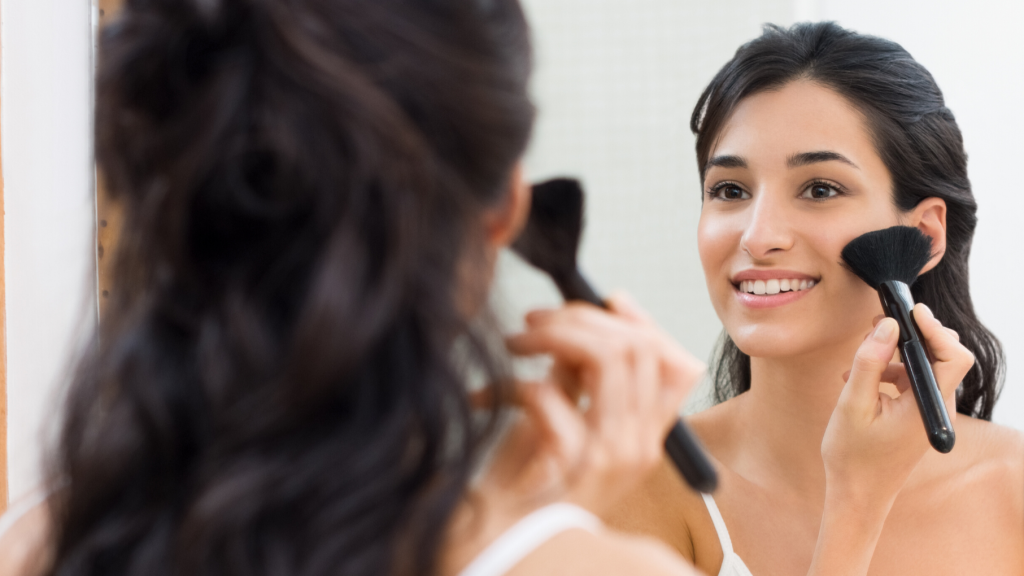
{"x": 916, "y": 137}
{"x": 273, "y": 389}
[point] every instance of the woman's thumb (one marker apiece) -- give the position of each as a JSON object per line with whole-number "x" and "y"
{"x": 871, "y": 361}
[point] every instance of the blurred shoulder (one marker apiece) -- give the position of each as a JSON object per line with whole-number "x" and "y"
{"x": 24, "y": 537}
{"x": 582, "y": 553}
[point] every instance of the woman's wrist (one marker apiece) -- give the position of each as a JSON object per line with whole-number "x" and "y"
{"x": 851, "y": 524}
{"x": 865, "y": 502}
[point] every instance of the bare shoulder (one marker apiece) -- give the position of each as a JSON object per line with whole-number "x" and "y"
{"x": 982, "y": 442}
{"x": 987, "y": 461}
{"x": 23, "y": 546}
{"x": 578, "y": 552}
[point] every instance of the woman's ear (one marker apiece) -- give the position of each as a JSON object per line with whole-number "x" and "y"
{"x": 505, "y": 221}
{"x": 930, "y": 217}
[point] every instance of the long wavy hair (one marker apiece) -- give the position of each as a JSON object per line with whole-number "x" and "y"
{"x": 273, "y": 388}
{"x": 917, "y": 138}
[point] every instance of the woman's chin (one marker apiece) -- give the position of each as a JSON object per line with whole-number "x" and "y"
{"x": 759, "y": 342}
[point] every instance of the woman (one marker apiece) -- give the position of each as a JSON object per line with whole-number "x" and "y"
{"x": 316, "y": 191}
{"x": 807, "y": 138}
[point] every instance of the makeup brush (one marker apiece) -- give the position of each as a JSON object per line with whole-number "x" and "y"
{"x": 889, "y": 261}
{"x": 550, "y": 241}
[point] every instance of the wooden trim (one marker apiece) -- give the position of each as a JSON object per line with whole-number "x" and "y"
{"x": 108, "y": 215}
{"x": 3, "y": 350}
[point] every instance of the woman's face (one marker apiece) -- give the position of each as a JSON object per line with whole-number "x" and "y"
{"x": 793, "y": 177}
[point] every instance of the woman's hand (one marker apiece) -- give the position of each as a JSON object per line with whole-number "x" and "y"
{"x": 873, "y": 442}
{"x": 632, "y": 378}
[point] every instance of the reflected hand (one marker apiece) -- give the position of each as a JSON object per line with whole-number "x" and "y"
{"x": 873, "y": 442}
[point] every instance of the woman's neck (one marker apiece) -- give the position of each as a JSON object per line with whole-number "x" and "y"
{"x": 785, "y": 414}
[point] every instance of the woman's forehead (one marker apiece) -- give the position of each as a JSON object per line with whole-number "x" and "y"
{"x": 773, "y": 127}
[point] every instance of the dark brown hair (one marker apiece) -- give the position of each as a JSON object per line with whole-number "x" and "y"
{"x": 273, "y": 389}
{"x": 919, "y": 142}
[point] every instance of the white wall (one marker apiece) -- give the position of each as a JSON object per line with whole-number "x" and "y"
{"x": 973, "y": 50}
{"x": 49, "y": 210}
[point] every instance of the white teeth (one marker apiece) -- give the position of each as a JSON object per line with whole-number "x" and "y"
{"x": 774, "y": 286}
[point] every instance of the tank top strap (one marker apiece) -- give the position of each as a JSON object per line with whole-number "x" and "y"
{"x": 527, "y": 535}
{"x": 719, "y": 522}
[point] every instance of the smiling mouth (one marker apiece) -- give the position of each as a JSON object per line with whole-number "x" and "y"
{"x": 774, "y": 286}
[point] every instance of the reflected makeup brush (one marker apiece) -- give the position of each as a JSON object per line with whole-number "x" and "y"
{"x": 550, "y": 241}
{"x": 889, "y": 261}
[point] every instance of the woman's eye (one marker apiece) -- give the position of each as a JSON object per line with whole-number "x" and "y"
{"x": 820, "y": 191}
{"x": 730, "y": 192}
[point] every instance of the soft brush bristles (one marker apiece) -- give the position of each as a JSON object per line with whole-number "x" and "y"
{"x": 897, "y": 253}
{"x": 552, "y": 233}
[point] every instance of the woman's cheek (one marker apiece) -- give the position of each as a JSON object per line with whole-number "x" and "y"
{"x": 717, "y": 241}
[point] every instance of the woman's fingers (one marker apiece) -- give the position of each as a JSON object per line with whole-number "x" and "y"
{"x": 623, "y": 304}
{"x": 896, "y": 374}
{"x": 635, "y": 376}
{"x": 952, "y": 359}
{"x": 681, "y": 367}
{"x": 557, "y": 420}
{"x": 599, "y": 348}
{"x": 870, "y": 365}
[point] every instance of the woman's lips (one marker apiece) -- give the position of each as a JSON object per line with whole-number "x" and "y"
{"x": 765, "y": 300}
{"x": 760, "y": 302}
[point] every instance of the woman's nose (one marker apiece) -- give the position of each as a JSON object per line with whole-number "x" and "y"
{"x": 768, "y": 230}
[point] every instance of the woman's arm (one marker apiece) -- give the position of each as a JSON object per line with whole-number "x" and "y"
{"x": 874, "y": 442}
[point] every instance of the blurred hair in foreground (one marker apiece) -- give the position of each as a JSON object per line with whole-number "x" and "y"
{"x": 273, "y": 389}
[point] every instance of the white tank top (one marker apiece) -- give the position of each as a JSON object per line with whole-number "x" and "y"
{"x": 732, "y": 564}
{"x": 527, "y": 535}
{"x": 502, "y": 555}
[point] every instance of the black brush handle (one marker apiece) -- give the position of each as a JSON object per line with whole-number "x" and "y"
{"x": 574, "y": 286}
{"x": 688, "y": 455}
{"x": 899, "y": 305}
{"x": 682, "y": 446}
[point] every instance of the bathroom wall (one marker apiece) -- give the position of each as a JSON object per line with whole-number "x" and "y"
{"x": 45, "y": 123}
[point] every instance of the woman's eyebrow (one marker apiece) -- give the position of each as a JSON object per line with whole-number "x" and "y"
{"x": 726, "y": 161}
{"x": 805, "y": 158}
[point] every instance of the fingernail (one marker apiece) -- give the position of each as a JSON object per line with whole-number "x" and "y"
{"x": 538, "y": 315}
{"x": 884, "y": 331}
